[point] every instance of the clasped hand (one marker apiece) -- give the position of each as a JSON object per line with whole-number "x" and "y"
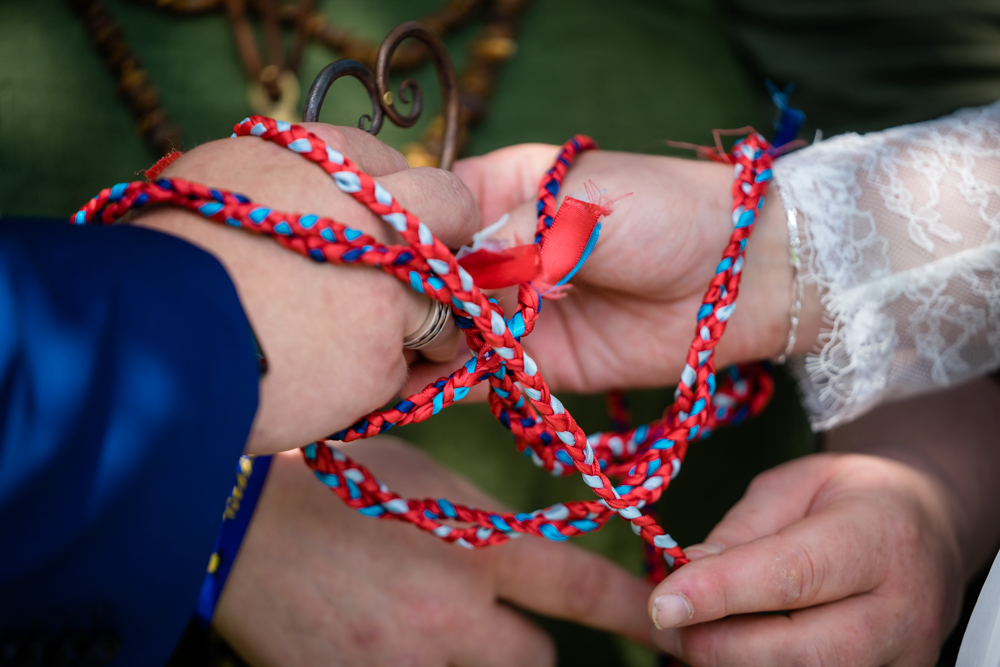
{"x": 332, "y": 334}
{"x": 314, "y": 581}
{"x": 868, "y": 550}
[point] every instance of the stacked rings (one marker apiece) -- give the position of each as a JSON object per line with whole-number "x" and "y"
{"x": 433, "y": 326}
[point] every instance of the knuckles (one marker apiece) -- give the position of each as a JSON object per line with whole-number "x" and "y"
{"x": 333, "y": 135}
{"x": 366, "y": 150}
{"x": 446, "y": 198}
{"x": 799, "y": 576}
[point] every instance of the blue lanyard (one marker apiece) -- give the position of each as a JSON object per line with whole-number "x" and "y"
{"x": 251, "y": 472}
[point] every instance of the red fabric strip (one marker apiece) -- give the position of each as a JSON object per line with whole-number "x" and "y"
{"x": 154, "y": 172}
{"x": 546, "y": 264}
{"x": 563, "y": 246}
{"x": 513, "y": 266}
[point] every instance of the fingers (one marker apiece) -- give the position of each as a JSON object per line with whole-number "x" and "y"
{"x": 422, "y": 373}
{"x": 283, "y": 180}
{"x": 519, "y": 229}
{"x": 857, "y": 631}
{"x": 567, "y": 582}
{"x": 505, "y": 638}
{"x": 773, "y": 500}
{"x": 840, "y": 551}
{"x": 367, "y": 151}
{"x": 421, "y": 312}
{"x": 505, "y": 178}
{"x": 440, "y": 199}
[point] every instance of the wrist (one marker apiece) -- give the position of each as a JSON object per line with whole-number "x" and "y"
{"x": 778, "y": 314}
{"x": 760, "y": 327}
{"x": 298, "y": 314}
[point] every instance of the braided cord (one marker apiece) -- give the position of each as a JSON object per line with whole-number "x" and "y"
{"x": 644, "y": 458}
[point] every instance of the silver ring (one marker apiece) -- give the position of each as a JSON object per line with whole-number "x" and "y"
{"x": 434, "y": 324}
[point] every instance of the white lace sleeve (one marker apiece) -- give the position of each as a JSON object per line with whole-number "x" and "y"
{"x": 902, "y": 237}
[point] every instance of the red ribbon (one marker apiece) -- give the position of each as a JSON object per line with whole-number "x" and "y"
{"x": 513, "y": 266}
{"x": 545, "y": 265}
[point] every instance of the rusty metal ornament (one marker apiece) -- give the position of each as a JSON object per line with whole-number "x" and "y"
{"x": 382, "y": 98}
{"x": 321, "y": 84}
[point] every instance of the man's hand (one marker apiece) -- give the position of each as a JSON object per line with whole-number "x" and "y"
{"x": 332, "y": 334}
{"x": 870, "y": 553}
{"x": 630, "y": 316}
{"x": 316, "y": 583}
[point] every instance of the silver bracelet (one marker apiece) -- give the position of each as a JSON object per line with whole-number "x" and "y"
{"x": 794, "y": 260}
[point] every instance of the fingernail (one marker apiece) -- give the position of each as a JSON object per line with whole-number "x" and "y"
{"x": 696, "y": 551}
{"x": 671, "y": 610}
{"x": 668, "y": 640}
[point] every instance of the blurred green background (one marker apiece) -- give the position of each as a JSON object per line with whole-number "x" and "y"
{"x": 630, "y": 73}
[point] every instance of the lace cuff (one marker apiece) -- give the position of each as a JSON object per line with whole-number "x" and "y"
{"x": 902, "y": 238}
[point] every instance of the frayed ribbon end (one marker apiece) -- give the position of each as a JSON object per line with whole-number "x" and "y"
{"x": 154, "y": 172}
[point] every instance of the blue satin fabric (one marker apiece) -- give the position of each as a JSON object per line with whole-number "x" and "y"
{"x": 128, "y": 384}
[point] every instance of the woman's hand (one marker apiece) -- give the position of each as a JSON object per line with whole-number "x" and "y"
{"x": 316, "y": 583}
{"x": 332, "y": 334}
{"x": 861, "y": 548}
{"x": 870, "y": 553}
{"x": 630, "y": 316}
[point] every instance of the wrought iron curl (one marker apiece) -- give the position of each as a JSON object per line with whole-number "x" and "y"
{"x": 381, "y": 96}
{"x": 321, "y": 84}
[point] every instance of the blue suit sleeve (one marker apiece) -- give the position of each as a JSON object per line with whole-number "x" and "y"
{"x": 128, "y": 383}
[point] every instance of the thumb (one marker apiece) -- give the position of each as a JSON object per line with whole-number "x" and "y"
{"x": 774, "y": 499}
{"x": 440, "y": 199}
{"x": 506, "y": 178}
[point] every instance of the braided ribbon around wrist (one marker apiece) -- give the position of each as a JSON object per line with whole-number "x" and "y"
{"x": 644, "y": 459}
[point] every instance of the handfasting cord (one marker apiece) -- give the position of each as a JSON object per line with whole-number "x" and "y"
{"x": 644, "y": 459}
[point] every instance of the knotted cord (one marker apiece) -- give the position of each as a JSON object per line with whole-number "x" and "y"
{"x": 644, "y": 459}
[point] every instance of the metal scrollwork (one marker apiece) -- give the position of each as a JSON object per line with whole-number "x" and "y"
{"x": 321, "y": 84}
{"x": 377, "y": 85}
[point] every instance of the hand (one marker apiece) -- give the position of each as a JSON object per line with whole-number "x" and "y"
{"x": 332, "y": 334}
{"x": 860, "y": 546}
{"x": 870, "y": 553}
{"x": 316, "y": 583}
{"x": 631, "y": 314}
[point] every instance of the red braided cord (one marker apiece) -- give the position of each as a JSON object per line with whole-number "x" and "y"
{"x": 647, "y": 457}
